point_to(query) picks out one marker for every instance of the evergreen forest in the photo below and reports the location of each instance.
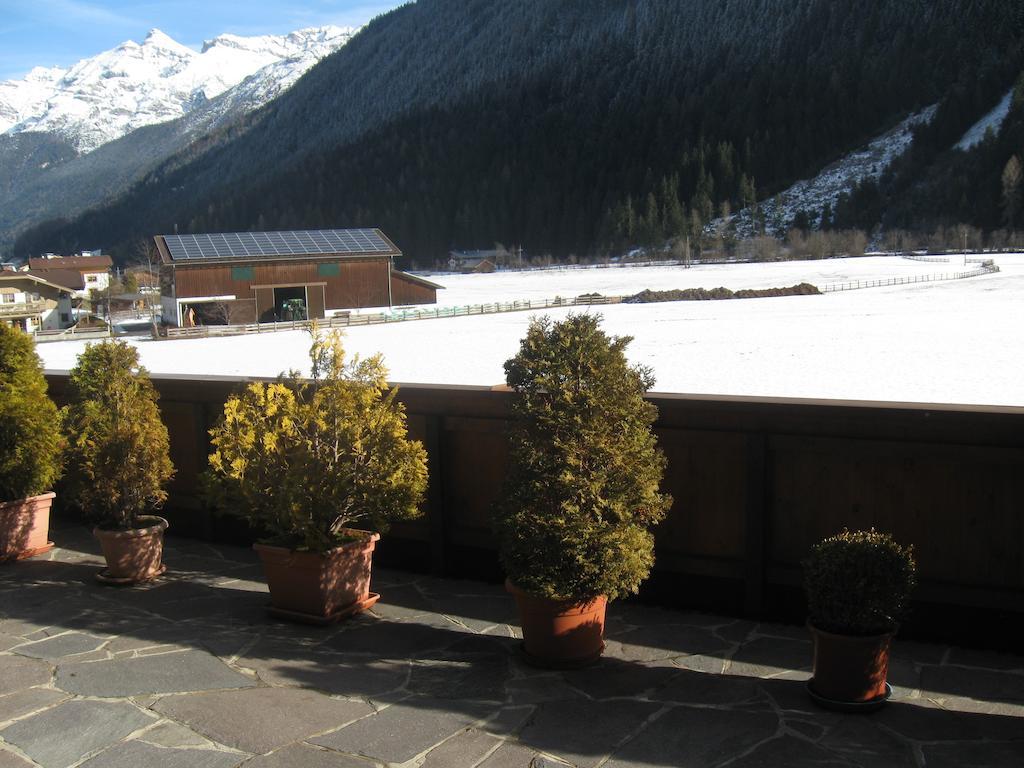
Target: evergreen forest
(584, 127)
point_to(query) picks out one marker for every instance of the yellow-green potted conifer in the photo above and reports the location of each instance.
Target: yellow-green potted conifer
(313, 463)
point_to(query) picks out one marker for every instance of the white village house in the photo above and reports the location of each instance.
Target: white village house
(34, 304)
(84, 273)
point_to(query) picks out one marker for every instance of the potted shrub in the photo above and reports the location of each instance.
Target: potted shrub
(308, 462)
(30, 448)
(118, 462)
(858, 584)
(582, 491)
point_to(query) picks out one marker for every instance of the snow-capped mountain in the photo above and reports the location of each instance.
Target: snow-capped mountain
(102, 98)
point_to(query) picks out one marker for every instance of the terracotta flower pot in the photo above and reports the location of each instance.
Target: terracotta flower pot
(849, 670)
(308, 586)
(24, 527)
(560, 634)
(135, 555)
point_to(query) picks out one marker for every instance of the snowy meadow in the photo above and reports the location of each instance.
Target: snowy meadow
(956, 342)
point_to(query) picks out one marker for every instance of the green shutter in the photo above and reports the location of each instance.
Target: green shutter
(328, 270)
(242, 273)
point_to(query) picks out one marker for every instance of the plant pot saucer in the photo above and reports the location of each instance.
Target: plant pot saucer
(104, 577)
(850, 706)
(322, 621)
(542, 662)
(27, 553)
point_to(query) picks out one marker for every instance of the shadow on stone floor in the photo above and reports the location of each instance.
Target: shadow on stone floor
(441, 667)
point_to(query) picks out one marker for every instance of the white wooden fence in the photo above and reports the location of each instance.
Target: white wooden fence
(396, 315)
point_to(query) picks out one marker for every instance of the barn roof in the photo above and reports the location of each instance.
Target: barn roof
(250, 246)
(409, 277)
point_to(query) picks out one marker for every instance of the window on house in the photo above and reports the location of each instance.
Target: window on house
(242, 273)
(8, 298)
(92, 278)
(328, 270)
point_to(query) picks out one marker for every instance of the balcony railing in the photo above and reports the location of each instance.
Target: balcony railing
(23, 308)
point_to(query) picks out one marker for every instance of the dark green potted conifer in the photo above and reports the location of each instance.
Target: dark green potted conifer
(582, 492)
(118, 459)
(858, 585)
(307, 462)
(30, 448)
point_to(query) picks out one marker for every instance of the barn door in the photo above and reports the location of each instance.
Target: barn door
(265, 305)
(315, 302)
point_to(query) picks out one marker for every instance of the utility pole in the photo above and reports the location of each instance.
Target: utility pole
(110, 320)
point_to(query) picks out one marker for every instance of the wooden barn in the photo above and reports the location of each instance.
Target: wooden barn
(242, 277)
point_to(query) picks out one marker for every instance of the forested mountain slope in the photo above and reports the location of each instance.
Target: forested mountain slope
(570, 126)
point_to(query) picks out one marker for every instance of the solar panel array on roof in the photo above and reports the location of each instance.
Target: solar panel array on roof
(258, 244)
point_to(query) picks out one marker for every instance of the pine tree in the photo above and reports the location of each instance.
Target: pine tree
(673, 213)
(1012, 175)
(748, 193)
(652, 228)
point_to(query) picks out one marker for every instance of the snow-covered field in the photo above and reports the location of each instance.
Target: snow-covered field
(626, 281)
(947, 342)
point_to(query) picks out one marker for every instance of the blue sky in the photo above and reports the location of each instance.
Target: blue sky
(60, 32)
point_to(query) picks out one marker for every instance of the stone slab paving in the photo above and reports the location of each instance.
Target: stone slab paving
(189, 671)
(260, 720)
(138, 753)
(10, 760)
(61, 736)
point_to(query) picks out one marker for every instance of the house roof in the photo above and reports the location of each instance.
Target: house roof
(246, 247)
(14, 277)
(75, 263)
(476, 256)
(123, 297)
(67, 278)
(470, 265)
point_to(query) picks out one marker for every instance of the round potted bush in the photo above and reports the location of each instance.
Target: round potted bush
(311, 463)
(118, 461)
(858, 584)
(30, 448)
(582, 491)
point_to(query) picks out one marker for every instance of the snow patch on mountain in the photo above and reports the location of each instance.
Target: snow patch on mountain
(812, 195)
(102, 98)
(993, 120)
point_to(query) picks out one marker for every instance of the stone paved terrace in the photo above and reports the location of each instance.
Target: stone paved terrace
(190, 672)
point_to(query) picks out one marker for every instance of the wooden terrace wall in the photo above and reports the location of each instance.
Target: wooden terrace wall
(755, 482)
